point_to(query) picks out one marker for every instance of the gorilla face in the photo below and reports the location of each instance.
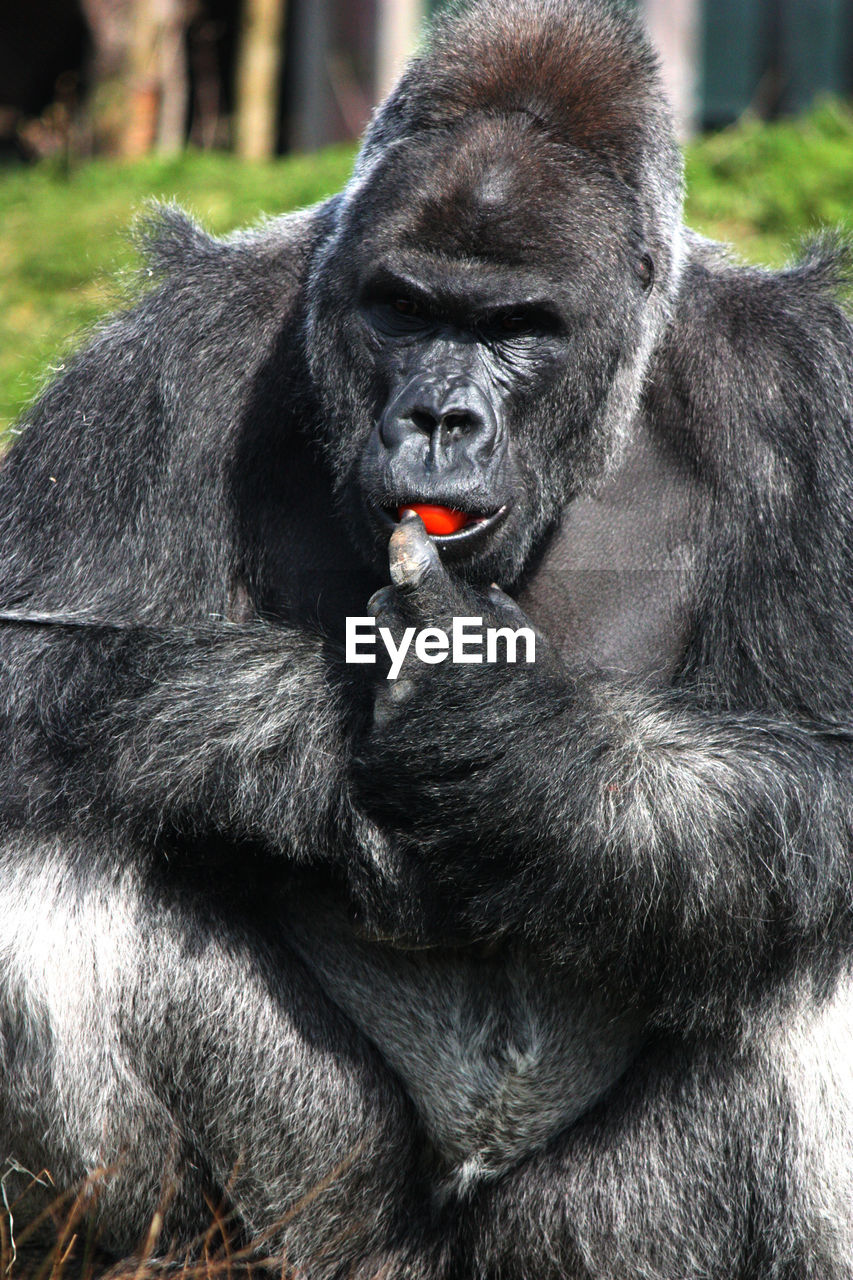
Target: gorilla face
(479, 328)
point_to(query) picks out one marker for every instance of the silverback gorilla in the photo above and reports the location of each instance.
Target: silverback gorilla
(492, 970)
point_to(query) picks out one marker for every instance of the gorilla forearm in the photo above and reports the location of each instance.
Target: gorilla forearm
(727, 839)
(225, 729)
(626, 818)
(241, 729)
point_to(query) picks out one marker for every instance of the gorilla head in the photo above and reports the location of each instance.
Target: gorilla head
(494, 280)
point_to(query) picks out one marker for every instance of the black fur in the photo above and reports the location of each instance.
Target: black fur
(490, 971)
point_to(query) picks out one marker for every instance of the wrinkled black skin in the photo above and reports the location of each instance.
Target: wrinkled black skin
(660, 807)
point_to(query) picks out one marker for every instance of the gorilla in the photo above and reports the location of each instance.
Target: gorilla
(494, 969)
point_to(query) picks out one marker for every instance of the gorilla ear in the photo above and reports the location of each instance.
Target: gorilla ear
(646, 272)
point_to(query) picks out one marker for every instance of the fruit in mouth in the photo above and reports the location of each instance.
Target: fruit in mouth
(438, 520)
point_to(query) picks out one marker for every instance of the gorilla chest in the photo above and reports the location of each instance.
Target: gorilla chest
(614, 584)
(497, 1054)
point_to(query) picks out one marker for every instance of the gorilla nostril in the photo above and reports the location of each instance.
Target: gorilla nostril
(460, 420)
(423, 420)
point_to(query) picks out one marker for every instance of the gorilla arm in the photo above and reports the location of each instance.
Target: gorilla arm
(673, 852)
(122, 501)
(230, 729)
(169, 1050)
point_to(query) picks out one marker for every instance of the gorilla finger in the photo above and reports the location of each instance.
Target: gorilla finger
(392, 610)
(509, 613)
(506, 609)
(390, 700)
(382, 602)
(412, 555)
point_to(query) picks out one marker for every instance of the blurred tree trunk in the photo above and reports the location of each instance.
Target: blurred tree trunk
(141, 78)
(144, 101)
(398, 24)
(258, 66)
(173, 75)
(158, 78)
(106, 112)
(675, 27)
(309, 122)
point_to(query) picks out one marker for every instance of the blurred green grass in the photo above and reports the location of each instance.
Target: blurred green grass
(763, 187)
(65, 248)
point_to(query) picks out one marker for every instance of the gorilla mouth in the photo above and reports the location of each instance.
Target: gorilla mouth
(438, 521)
(455, 533)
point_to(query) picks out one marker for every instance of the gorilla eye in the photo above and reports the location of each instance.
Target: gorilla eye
(405, 307)
(535, 321)
(646, 271)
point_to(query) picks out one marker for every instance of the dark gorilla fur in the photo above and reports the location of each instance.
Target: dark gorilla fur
(496, 971)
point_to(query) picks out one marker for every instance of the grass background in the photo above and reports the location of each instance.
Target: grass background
(65, 247)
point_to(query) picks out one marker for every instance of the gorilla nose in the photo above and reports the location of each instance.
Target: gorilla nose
(455, 419)
(446, 419)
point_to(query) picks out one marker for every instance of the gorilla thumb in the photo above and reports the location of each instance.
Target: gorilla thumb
(411, 553)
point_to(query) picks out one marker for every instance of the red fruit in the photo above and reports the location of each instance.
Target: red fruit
(438, 520)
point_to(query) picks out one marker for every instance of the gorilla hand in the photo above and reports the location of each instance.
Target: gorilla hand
(425, 597)
(443, 731)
